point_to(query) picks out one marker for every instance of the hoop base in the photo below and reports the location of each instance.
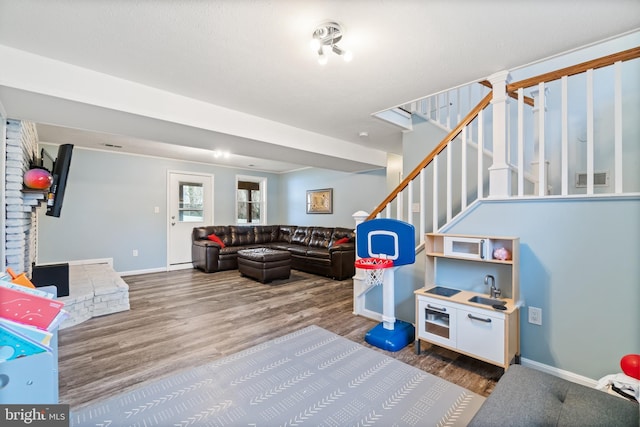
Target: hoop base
(402, 334)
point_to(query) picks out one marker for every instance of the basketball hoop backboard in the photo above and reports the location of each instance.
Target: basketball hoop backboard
(386, 238)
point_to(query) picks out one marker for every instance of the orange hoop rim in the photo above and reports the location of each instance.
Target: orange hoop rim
(374, 263)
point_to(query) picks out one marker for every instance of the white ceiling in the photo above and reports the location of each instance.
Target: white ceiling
(244, 68)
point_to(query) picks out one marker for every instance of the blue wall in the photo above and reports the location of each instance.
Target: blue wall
(110, 199)
(579, 264)
(352, 192)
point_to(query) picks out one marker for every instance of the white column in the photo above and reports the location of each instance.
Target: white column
(499, 172)
(358, 279)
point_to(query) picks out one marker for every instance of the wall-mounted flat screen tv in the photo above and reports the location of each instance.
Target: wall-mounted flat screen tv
(60, 172)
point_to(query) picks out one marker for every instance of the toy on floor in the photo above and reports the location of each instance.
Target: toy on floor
(383, 245)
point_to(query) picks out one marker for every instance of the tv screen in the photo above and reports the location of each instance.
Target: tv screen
(60, 172)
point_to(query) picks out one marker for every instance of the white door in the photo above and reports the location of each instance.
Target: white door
(190, 205)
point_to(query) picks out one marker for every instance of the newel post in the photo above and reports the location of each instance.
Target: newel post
(499, 171)
(358, 280)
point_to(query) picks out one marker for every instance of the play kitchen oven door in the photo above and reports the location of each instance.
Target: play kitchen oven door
(467, 247)
(437, 322)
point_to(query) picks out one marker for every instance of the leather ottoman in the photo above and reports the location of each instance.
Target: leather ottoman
(264, 264)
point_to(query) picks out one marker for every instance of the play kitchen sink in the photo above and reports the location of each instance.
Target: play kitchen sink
(486, 301)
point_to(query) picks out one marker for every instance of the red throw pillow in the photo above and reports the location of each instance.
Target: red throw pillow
(341, 241)
(215, 239)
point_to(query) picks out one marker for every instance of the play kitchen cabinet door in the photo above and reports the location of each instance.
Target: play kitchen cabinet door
(481, 334)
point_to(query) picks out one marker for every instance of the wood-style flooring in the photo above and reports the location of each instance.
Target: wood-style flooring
(187, 318)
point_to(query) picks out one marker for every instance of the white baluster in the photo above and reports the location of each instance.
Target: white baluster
(434, 197)
(617, 117)
(590, 142)
(463, 169)
(480, 153)
(564, 155)
(542, 181)
(409, 191)
(423, 207)
(449, 180)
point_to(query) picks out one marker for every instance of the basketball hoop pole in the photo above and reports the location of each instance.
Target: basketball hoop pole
(388, 299)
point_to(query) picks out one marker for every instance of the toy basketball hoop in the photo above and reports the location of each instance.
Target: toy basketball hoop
(374, 269)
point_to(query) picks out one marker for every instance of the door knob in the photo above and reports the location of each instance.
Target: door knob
(173, 223)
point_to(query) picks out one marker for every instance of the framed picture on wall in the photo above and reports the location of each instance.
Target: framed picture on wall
(320, 201)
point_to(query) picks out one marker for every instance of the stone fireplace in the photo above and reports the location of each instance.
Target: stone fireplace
(21, 225)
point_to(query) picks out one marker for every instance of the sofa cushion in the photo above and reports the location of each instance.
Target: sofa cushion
(527, 397)
(318, 253)
(286, 232)
(265, 233)
(340, 233)
(298, 250)
(301, 236)
(320, 237)
(222, 231)
(242, 235)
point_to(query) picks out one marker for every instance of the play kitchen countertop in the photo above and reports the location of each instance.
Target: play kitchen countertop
(463, 297)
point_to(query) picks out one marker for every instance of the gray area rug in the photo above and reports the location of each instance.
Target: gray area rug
(309, 377)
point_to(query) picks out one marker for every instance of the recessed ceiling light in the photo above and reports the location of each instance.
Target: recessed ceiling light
(363, 134)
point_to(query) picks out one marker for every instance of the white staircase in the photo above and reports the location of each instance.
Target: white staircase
(579, 120)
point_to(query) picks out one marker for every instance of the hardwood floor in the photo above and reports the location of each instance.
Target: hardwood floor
(187, 318)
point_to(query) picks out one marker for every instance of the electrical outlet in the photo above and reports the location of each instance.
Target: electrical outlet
(135, 252)
(535, 315)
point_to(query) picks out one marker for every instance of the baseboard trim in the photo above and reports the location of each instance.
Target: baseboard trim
(369, 314)
(183, 266)
(81, 262)
(560, 373)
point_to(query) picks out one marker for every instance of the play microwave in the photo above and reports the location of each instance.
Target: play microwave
(467, 247)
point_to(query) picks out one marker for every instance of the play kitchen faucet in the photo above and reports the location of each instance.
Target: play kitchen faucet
(495, 292)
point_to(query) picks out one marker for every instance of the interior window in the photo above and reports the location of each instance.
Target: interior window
(191, 203)
(250, 198)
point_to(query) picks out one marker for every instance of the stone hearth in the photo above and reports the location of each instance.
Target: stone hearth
(94, 290)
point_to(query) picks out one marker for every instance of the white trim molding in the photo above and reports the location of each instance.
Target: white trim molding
(560, 373)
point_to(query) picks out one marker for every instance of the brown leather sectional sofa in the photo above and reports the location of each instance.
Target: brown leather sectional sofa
(313, 249)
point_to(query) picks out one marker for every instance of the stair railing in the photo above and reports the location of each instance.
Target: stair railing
(459, 140)
(436, 109)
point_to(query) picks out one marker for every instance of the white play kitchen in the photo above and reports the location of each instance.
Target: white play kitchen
(470, 302)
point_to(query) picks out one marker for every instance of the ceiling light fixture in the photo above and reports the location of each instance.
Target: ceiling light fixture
(219, 153)
(325, 39)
